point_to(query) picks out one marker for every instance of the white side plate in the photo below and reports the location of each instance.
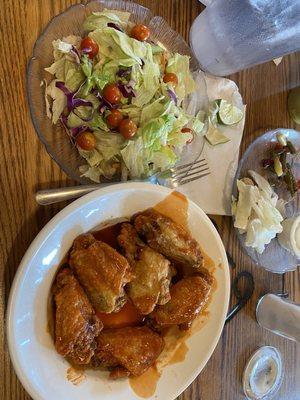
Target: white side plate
(40, 369)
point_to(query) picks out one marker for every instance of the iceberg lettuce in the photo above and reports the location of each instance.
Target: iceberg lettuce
(136, 158)
(99, 20)
(117, 45)
(180, 65)
(65, 68)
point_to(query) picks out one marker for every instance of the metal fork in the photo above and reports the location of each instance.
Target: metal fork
(172, 178)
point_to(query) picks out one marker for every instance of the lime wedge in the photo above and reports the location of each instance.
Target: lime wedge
(294, 104)
(228, 114)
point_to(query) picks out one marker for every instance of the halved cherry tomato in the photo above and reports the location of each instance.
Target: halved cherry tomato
(171, 78)
(86, 140)
(89, 47)
(112, 93)
(127, 128)
(140, 32)
(188, 130)
(114, 119)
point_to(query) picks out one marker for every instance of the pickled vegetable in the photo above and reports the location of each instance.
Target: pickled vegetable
(281, 139)
(291, 147)
(278, 166)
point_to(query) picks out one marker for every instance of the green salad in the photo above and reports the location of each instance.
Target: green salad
(120, 98)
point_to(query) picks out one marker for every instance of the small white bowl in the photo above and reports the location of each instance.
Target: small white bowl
(39, 367)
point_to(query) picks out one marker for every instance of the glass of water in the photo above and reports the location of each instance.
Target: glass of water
(231, 35)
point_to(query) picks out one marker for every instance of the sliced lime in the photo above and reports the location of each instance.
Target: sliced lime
(228, 114)
(294, 104)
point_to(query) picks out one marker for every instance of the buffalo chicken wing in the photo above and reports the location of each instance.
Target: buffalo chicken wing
(152, 271)
(134, 349)
(188, 297)
(76, 324)
(168, 238)
(101, 271)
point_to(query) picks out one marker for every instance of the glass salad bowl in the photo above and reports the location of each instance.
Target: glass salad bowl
(275, 258)
(54, 137)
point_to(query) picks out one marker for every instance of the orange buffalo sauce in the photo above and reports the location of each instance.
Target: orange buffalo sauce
(127, 316)
(175, 206)
(145, 385)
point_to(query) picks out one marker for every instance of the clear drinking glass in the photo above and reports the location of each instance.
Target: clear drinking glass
(231, 35)
(279, 315)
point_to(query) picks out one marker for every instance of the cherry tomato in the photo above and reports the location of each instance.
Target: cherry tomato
(112, 93)
(86, 140)
(89, 46)
(171, 78)
(114, 119)
(140, 32)
(127, 128)
(188, 130)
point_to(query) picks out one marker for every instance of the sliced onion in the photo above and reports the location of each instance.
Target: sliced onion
(97, 94)
(123, 72)
(75, 54)
(126, 90)
(87, 119)
(172, 96)
(102, 107)
(131, 83)
(64, 120)
(75, 131)
(82, 102)
(115, 26)
(71, 101)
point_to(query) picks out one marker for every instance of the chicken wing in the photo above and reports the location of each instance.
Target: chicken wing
(76, 324)
(135, 348)
(165, 236)
(188, 297)
(152, 271)
(102, 272)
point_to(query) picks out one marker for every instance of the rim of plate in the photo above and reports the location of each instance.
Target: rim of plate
(48, 229)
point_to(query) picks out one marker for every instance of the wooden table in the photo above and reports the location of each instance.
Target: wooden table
(26, 167)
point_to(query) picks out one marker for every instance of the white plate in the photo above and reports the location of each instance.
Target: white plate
(40, 369)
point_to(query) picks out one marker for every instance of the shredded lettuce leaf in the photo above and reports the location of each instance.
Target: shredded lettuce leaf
(155, 132)
(99, 20)
(59, 100)
(64, 67)
(117, 45)
(156, 109)
(136, 158)
(147, 81)
(179, 65)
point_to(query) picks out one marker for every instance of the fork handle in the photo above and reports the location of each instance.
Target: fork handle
(51, 196)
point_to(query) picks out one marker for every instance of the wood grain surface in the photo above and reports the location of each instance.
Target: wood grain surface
(26, 167)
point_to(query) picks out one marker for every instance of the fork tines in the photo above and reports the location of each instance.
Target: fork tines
(191, 171)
